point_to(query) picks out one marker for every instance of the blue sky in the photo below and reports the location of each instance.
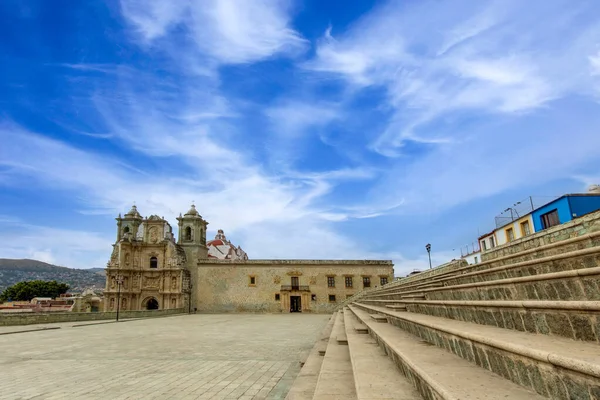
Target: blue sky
(310, 129)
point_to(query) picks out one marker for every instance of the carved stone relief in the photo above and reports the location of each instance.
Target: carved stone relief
(313, 280)
(277, 280)
(153, 233)
(151, 283)
(294, 273)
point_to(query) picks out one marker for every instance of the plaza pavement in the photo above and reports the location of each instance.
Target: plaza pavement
(202, 356)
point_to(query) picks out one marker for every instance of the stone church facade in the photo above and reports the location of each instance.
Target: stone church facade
(150, 269)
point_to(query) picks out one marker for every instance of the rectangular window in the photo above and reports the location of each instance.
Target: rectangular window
(510, 235)
(277, 297)
(348, 281)
(252, 281)
(295, 283)
(525, 229)
(550, 219)
(332, 298)
(313, 297)
(483, 245)
(492, 243)
(331, 281)
(476, 260)
(366, 281)
(383, 280)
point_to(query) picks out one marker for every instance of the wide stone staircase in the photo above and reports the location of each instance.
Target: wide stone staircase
(523, 324)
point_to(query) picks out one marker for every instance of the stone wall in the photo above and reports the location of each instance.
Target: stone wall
(225, 286)
(44, 318)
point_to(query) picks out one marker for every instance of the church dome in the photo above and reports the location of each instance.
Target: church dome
(223, 249)
(133, 212)
(192, 211)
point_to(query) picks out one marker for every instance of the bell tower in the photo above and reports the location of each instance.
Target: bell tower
(129, 225)
(192, 234)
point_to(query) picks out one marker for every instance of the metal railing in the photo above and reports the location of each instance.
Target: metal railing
(521, 208)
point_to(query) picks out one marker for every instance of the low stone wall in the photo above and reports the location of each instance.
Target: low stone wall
(575, 320)
(45, 318)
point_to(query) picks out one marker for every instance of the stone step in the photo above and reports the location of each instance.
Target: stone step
(375, 375)
(574, 285)
(568, 261)
(564, 248)
(413, 296)
(397, 307)
(343, 340)
(305, 383)
(379, 318)
(581, 259)
(361, 329)
(336, 380)
(438, 374)
(570, 319)
(542, 363)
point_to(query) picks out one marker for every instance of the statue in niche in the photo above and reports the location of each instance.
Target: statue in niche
(126, 258)
(136, 280)
(112, 303)
(173, 303)
(115, 255)
(173, 283)
(124, 304)
(113, 282)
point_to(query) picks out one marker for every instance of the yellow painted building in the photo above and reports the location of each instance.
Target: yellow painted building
(514, 230)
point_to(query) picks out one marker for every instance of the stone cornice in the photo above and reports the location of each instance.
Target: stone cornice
(315, 263)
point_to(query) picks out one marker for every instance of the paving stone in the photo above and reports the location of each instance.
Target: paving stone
(228, 356)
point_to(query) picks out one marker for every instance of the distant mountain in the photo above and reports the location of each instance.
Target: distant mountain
(99, 271)
(14, 271)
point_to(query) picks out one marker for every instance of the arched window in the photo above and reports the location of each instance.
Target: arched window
(153, 262)
(126, 229)
(188, 233)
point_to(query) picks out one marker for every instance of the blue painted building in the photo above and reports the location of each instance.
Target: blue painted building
(564, 209)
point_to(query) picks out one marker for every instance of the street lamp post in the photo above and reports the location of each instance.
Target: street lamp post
(428, 248)
(190, 299)
(119, 280)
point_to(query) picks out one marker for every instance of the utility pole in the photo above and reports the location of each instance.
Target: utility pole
(119, 280)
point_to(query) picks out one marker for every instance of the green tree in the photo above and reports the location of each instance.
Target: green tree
(29, 289)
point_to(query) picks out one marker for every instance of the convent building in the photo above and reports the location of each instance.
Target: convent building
(150, 269)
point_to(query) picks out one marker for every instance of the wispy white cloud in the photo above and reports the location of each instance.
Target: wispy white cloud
(491, 58)
(242, 204)
(66, 247)
(595, 64)
(294, 118)
(228, 31)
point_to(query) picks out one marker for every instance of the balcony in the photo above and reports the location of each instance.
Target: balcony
(295, 288)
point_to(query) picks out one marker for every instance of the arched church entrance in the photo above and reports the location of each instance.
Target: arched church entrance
(150, 303)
